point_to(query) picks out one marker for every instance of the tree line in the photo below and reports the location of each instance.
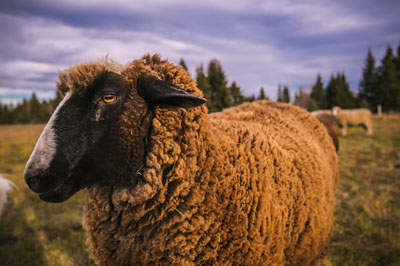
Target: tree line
(380, 85)
(29, 111)
(214, 85)
(336, 93)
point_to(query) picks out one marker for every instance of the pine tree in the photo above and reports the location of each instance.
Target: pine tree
(46, 111)
(331, 93)
(236, 94)
(6, 114)
(318, 94)
(397, 93)
(301, 98)
(388, 82)
(250, 99)
(285, 95)
(203, 85)
(262, 96)
(183, 64)
(22, 112)
(280, 94)
(311, 105)
(348, 99)
(338, 92)
(304, 100)
(220, 94)
(35, 110)
(368, 85)
(397, 61)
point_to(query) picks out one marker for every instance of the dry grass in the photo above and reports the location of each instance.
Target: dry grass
(367, 221)
(33, 232)
(367, 218)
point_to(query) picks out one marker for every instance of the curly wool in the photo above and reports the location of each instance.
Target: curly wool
(252, 185)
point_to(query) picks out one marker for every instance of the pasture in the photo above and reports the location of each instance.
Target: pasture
(367, 217)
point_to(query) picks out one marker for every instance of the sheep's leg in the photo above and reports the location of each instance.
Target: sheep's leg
(344, 130)
(369, 130)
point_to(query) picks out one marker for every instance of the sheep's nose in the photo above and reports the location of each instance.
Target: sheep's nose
(32, 181)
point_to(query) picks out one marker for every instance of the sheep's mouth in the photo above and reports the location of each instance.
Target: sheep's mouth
(61, 193)
(54, 185)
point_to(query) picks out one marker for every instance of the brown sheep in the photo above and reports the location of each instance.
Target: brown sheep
(169, 184)
(353, 117)
(330, 123)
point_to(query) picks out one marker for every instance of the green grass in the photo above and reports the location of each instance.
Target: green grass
(367, 216)
(33, 232)
(367, 220)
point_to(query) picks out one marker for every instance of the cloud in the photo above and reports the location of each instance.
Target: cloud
(259, 43)
(317, 17)
(48, 46)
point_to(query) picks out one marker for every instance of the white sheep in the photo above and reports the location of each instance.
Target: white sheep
(353, 117)
(5, 186)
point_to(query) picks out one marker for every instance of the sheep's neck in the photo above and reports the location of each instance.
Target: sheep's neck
(169, 193)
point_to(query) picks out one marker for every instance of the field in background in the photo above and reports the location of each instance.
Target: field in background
(33, 232)
(367, 221)
(367, 217)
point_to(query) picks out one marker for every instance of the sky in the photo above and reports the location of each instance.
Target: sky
(258, 43)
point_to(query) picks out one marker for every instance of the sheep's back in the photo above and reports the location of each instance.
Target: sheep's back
(288, 126)
(355, 116)
(293, 179)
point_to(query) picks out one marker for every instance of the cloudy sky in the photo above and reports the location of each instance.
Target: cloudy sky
(258, 42)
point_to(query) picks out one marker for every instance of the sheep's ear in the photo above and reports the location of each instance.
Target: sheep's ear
(156, 91)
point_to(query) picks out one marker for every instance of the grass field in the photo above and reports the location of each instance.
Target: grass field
(367, 221)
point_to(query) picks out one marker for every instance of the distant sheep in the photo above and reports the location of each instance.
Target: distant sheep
(321, 112)
(5, 186)
(353, 117)
(169, 184)
(329, 122)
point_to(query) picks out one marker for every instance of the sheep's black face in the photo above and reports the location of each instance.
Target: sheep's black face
(77, 147)
(73, 149)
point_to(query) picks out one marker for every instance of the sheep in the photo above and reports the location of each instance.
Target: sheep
(5, 186)
(353, 117)
(329, 122)
(168, 184)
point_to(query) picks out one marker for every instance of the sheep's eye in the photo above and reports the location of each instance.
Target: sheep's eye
(109, 98)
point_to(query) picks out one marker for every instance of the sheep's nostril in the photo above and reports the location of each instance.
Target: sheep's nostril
(39, 181)
(36, 180)
(32, 181)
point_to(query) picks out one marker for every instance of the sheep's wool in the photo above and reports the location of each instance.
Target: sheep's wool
(252, 185)
(5, 186)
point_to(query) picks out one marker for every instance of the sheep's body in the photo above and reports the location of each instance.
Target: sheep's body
(258, 197)
(353, 117)
(171, 185)
(329, 122)
(5, 186)
(253, 185)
